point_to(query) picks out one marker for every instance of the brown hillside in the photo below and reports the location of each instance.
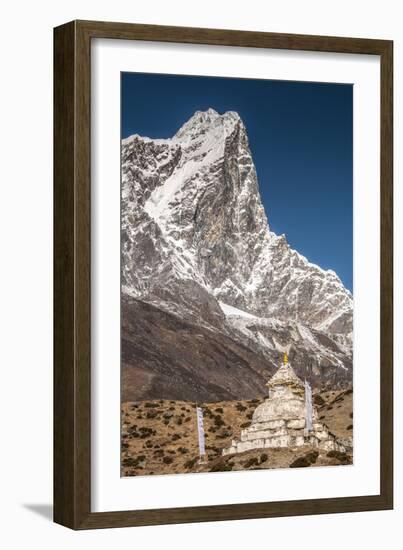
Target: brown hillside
(160, 437)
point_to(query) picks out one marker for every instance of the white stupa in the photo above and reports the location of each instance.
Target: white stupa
(286, 418)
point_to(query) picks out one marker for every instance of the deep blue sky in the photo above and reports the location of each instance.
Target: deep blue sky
(300, 135)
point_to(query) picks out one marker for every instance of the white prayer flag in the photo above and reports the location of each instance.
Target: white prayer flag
(200, 429)
(308, 405)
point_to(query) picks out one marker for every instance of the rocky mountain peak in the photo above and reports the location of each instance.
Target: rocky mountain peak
(203, 122)
(196, 241)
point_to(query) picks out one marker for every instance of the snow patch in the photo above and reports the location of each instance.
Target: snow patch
(231, 311)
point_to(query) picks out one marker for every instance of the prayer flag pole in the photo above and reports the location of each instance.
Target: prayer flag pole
(200, 430)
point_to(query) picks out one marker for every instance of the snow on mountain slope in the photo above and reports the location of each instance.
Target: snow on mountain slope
(195, 234)
(233, 311)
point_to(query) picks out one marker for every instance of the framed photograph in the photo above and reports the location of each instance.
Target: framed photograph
(222, 275)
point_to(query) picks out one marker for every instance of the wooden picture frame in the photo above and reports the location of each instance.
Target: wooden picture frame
(72, 270)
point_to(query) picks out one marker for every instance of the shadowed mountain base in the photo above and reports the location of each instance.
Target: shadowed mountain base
(165, 356)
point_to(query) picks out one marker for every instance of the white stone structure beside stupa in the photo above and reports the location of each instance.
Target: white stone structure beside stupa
(281, 420)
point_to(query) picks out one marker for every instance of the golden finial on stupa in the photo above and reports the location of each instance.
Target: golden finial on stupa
(285, 358)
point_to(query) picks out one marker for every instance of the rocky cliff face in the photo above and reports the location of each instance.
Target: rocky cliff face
(196, 244)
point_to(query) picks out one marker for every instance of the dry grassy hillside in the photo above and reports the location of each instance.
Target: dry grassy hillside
(160, 436)
(335, 408)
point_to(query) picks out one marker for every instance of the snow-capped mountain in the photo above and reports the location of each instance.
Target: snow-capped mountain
(196, 243)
